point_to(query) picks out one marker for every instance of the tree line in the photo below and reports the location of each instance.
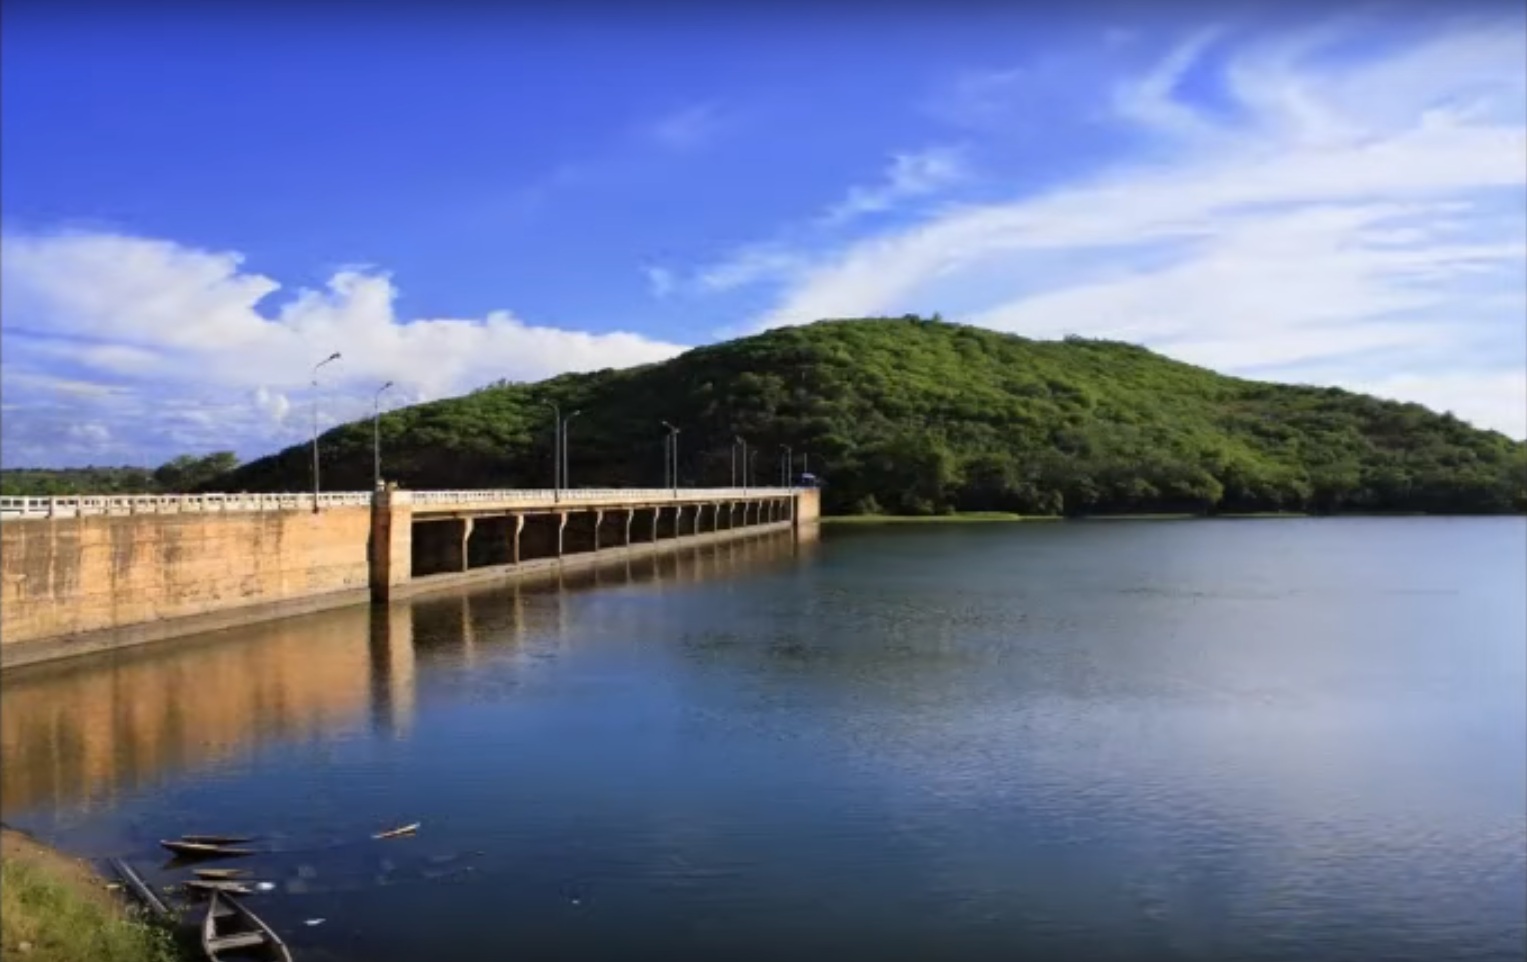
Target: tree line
(916, 416)
(181, 475)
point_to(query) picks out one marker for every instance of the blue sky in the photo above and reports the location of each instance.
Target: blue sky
(196, 207)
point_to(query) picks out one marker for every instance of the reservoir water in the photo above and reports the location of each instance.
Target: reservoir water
(1209, 740)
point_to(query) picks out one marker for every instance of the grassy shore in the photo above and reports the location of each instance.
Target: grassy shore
(56, 909)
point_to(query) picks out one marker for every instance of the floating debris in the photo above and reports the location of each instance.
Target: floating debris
(398, 832)
(316, 921)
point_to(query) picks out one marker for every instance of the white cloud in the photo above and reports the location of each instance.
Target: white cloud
(750, 265)
(1361, 210)
(909, 175)
(168, 328)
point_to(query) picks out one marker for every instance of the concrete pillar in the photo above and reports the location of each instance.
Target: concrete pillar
(391, 548)
(807, 508)
(466, 534)
(561, 527)
(598, 522)
(517, 528)
(630, 517)
(657, 521)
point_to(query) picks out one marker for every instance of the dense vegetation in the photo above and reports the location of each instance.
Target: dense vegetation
(915, 417)
(183, 474)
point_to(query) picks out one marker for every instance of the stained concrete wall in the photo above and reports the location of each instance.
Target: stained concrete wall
(77, 584)
(72, 576)
(808, 506)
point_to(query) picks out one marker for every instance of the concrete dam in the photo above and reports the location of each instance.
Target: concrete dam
(91, 573)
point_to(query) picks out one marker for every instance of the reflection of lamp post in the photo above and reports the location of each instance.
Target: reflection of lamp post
(564, 447)
(744, 445)
(331, 357)
(673, 456)
(376, 435)
(786, 465)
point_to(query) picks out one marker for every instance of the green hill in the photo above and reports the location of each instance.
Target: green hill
(916, 416)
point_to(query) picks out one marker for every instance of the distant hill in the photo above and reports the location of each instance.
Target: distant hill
(185, 473)
(916, 416)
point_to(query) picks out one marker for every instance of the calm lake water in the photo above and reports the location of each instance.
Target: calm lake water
(1216, 740)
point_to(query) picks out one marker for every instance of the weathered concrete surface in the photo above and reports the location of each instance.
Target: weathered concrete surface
(71, 577)
(808, 507)
(72, 585)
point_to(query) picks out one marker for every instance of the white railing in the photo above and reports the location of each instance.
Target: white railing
(73, 507)
(174, 504)
(593, 494)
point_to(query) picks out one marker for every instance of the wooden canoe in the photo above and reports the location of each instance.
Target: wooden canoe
(220, 873)
(229, 886)
(398, 832)
(203, 849)
(218, 839)
(231, 930)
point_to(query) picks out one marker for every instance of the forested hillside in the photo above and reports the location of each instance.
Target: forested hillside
(916, 416)
(185, 473)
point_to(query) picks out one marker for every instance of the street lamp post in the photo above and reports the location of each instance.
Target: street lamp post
(786, 465)
(565, 422)
(376, 436)
(744, 445)
(331, 357)
(556, 449)
(673, 455)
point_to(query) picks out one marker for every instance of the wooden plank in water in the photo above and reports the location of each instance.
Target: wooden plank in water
(140, 888)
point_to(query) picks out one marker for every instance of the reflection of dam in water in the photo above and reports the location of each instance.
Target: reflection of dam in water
(79, 733)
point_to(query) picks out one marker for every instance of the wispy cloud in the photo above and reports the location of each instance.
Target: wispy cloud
(660, 280)
(1312, 205)
(908, 175)
(686, 128)
(161, 330)
(751, 264)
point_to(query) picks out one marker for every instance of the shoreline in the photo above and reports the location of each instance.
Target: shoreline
(59, 908)
(987, 517)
